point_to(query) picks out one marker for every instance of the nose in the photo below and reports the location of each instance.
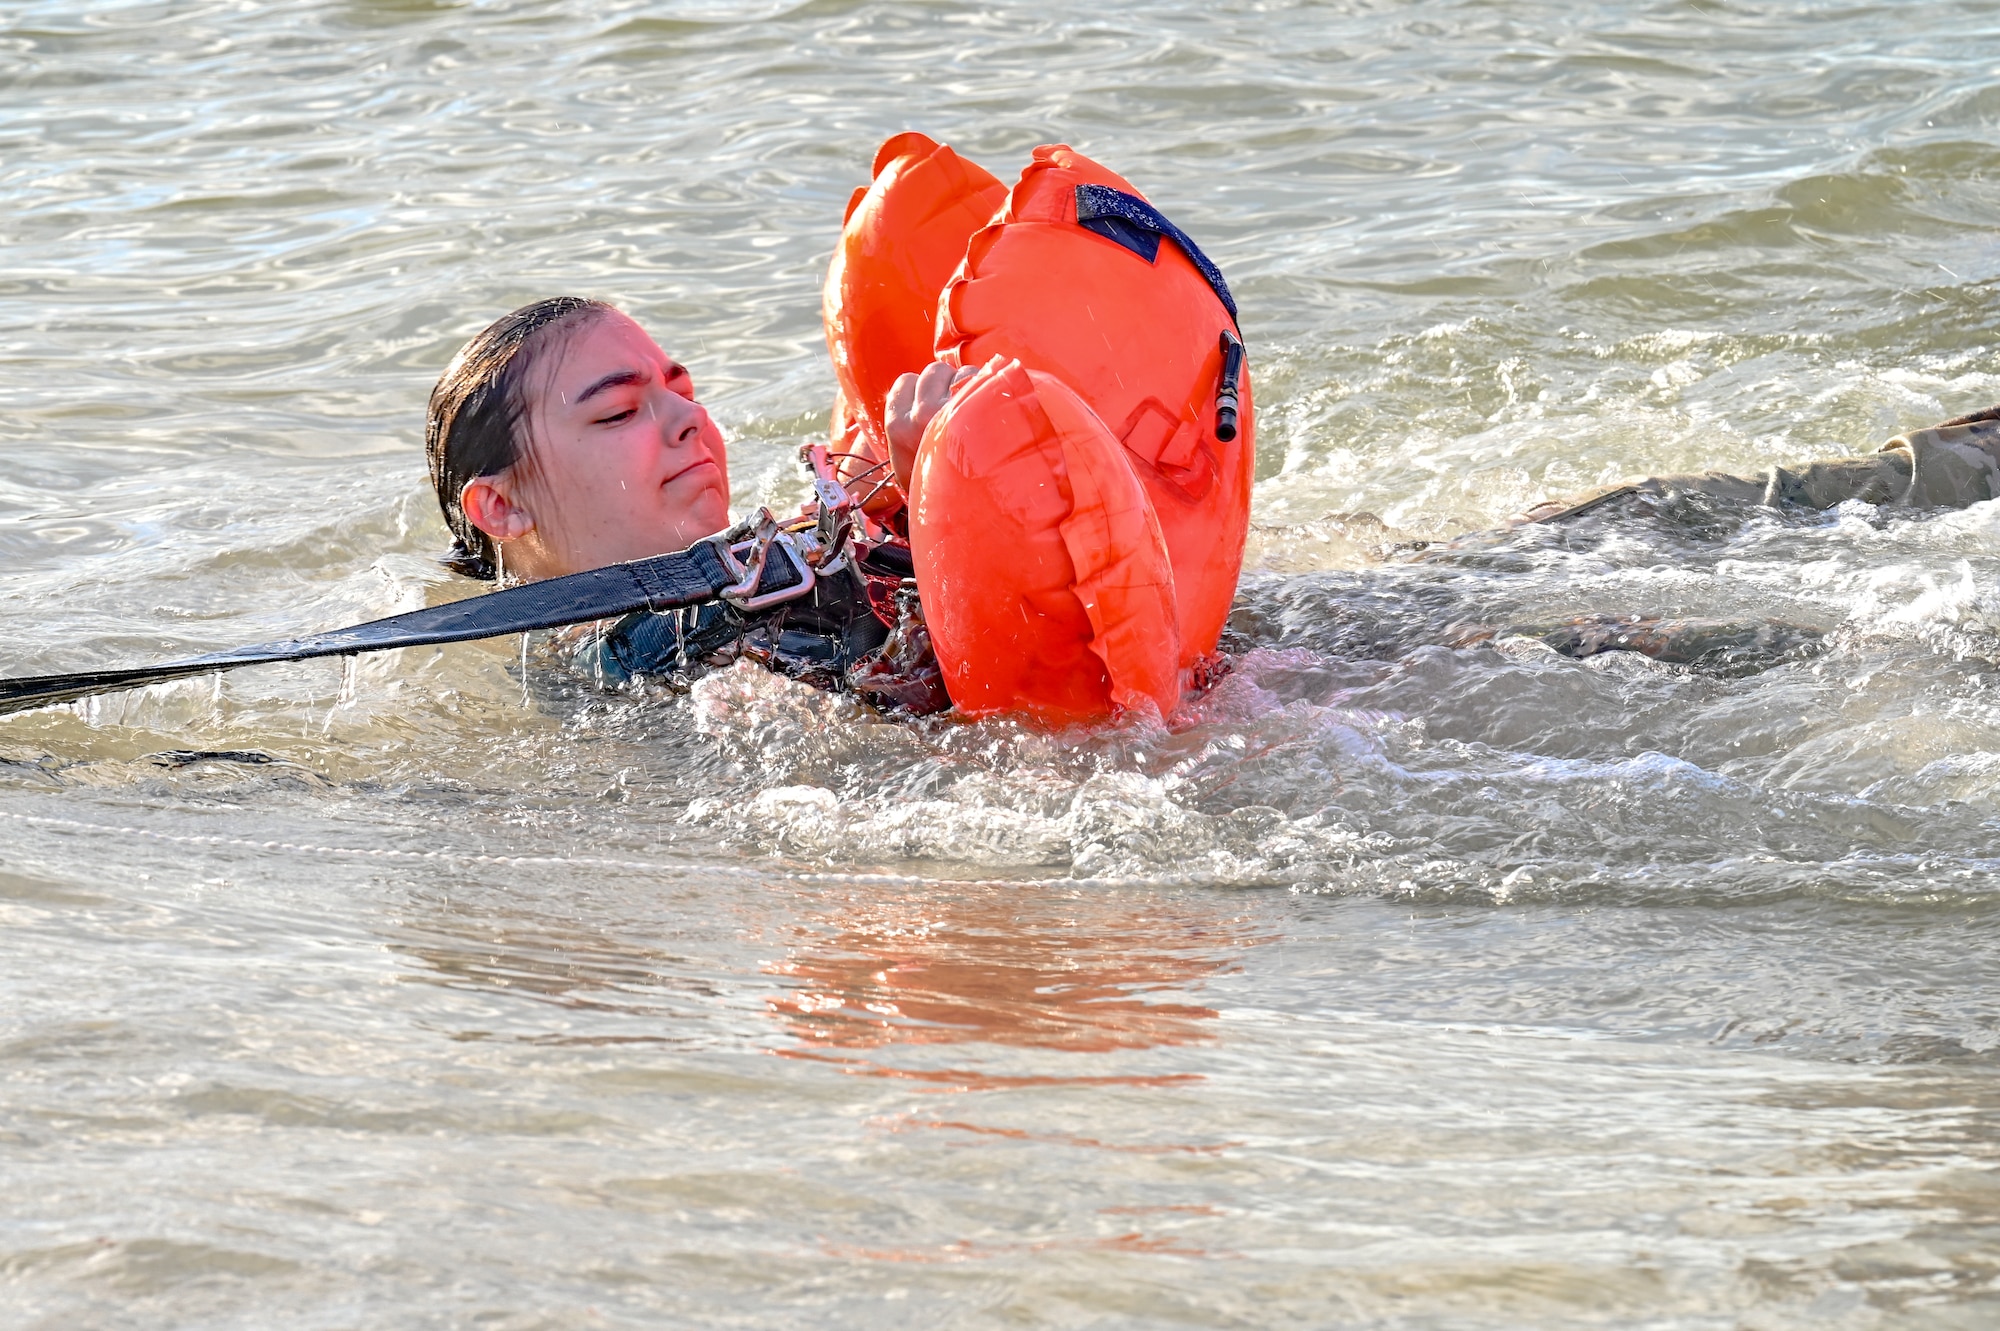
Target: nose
(680, 418)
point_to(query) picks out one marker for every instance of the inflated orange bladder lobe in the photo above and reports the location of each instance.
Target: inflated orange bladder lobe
(1139, 340)
(1078, 526)
(903, 237)
(1047, 585)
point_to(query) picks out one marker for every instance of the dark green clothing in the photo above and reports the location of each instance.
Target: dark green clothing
(1945, 466)
(1952, 465)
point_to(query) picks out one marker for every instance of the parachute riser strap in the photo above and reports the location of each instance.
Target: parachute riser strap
(695, 576)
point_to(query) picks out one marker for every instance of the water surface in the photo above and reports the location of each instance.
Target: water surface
(1403, 986)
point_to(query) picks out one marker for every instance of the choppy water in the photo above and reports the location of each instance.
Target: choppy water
(1407, 987)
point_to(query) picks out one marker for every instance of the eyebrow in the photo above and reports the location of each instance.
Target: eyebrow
(618, 379)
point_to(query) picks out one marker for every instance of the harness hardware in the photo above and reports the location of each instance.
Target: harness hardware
(834, 522)
(765, 537)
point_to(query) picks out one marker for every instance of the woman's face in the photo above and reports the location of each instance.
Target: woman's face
(620, 461)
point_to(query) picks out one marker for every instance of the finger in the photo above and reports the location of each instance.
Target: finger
(902, 397)
(934, 384)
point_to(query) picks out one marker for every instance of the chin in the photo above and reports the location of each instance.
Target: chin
(710, 512)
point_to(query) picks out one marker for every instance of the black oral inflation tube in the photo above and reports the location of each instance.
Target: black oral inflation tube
(1227, 387)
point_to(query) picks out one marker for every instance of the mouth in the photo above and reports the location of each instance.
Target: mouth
(696, 465)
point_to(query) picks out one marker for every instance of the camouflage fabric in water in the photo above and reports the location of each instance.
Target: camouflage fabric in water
(1951, 465)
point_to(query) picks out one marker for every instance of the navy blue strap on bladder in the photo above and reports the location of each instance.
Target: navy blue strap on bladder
(687, 577)
(1138, 226)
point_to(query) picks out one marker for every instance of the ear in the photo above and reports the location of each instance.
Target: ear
(490, 507)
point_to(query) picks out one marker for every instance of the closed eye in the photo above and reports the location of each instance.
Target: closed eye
(617, 417)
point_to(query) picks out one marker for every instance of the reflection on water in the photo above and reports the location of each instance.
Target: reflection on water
(969, 968)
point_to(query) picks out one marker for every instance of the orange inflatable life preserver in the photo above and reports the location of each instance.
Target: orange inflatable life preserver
(1078, 512)
(900, 242)
(1046, 582)
(1132, 321)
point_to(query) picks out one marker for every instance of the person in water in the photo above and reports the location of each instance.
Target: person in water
(562, 438)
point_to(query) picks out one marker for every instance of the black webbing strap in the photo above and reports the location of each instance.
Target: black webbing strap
(665, 582)
(1138, 226)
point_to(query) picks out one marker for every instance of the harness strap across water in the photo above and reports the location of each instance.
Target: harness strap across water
(687, 577)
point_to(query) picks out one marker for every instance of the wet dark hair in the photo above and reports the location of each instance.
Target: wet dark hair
(474, 423)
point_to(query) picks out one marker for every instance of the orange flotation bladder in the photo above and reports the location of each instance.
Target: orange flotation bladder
(1071, 278)
(1078, 515)
(1046, 582)
(903, 237)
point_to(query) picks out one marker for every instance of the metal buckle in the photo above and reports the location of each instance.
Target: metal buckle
(743, 592)
(836, 506)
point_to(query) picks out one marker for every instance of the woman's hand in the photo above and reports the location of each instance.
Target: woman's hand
(913, 400)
